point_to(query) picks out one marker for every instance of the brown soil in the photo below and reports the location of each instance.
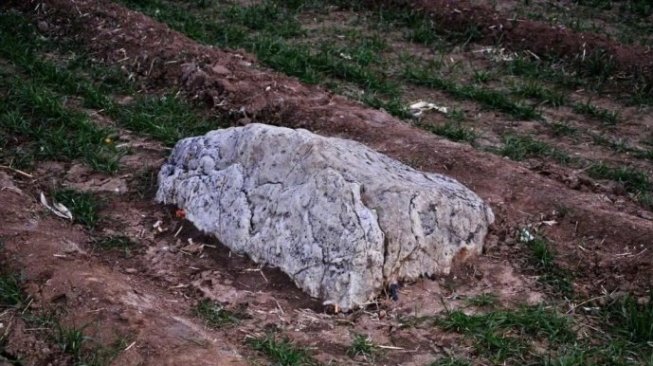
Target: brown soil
(147, 297)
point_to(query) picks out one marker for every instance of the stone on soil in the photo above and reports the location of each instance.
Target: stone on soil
(342, 220)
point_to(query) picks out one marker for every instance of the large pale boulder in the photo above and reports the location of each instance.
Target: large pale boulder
(340, 219)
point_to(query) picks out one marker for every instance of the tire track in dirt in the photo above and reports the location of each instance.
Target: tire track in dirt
(232, 84)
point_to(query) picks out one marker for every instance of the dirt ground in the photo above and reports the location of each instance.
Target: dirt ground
(145, 299)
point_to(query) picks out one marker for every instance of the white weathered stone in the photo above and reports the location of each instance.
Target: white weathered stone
(340, 219)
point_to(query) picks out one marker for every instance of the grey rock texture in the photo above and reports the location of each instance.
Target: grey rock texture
(340, 219)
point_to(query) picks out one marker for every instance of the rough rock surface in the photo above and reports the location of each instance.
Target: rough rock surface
(340, 219)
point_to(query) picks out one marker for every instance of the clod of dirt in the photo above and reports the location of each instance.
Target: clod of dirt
(340, 219)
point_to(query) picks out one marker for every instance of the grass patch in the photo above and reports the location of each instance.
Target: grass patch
(265, 29)
(503, 334)
(451, 130)
(268, 16)
(631, 320)
(606, 116)
(84, 206)
(543, 258)
(634, 181)
(361, 346)
(623, 336)
(215, 315)
(165, 118)
(116, 243)
(392, 105)
(39, 120)
(42, 128)
(525, 147)
(83, 350)
(419, 27)
(68, 133)
(486, 97)
(144, 183)
(538, 92)
(482, 76)
(11, 293)
(70, 340)
(483, 300)
(622, 146)
(450, 361)
(281, 351)
(563, 129)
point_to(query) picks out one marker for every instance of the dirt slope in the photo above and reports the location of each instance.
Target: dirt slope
(232, 84)
(49, 254)
(147, 298)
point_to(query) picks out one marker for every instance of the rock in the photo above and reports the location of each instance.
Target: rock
(340, 219)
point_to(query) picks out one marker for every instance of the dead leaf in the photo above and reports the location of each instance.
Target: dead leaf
(57, 208)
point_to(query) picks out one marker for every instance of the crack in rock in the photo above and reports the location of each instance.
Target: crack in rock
(333, 214)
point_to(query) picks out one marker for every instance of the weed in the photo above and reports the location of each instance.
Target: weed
(536, 321)
(622, 146)
(270, 23)
(281, 351)
(144, 183)
(451, 130)
(450, 361)
(563, 129)
(633, 180)
(486, 97)
(541, 70)
(361, 346)
(11, 293)
(84, 206)
(631, 320)
(70, 340)
(641, 8)
(500, 334)
(482, 76)
(604, 115)
(562, 210)
(393, 105)
(116, 242)
(268, 16)
(524, 147)
(483, 300)
(598, 64)
(36, 116)
(536, 91)
(577, 356)
(215, 315)
(52, 131)
(456, 115)
(167, 118)
(543, 257)
(423, 29)
(104, 355)
(542, 253)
